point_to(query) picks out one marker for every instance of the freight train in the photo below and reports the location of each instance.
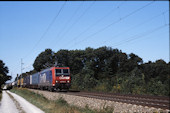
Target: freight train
(53, 78)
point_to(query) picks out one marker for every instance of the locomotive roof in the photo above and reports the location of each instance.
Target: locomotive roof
(51, 68)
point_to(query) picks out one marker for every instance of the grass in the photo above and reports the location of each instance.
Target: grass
(57, 106)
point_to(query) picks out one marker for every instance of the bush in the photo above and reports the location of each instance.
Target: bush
(156, 88)
(61, 101)
(103, 85)
(83, 81)
(89, 81)
(107, 109)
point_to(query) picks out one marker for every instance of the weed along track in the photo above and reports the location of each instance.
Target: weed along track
(96, 100)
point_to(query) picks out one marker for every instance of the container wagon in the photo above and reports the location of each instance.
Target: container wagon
(34, 80)
(22, 82)
(18, 83)
(27, 81)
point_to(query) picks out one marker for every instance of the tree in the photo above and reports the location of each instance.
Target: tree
(62, 57)
(132, 62)
(3, 73)
(44, 60)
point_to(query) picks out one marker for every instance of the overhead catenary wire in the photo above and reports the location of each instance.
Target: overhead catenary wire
(134, 27)
(49, 26)
(78, 19)
(109, 25)
(69, 20)
(164, 17)
(141, 35)
(99, 20)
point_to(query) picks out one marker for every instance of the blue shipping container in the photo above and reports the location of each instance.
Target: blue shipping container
(28, 80)
(25, 79)
(46, 77)
(35, 79)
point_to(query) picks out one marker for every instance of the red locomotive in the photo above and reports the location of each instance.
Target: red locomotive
(55, 78)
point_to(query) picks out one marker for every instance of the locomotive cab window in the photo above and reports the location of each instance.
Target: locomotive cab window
(65, 71)
(62, 72)
(58, 71)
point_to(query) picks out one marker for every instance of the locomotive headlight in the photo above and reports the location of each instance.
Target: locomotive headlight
(68, 81)
(56, 81)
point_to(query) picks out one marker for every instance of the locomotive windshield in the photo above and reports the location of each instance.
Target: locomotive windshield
(65, 71)
(62, 72)
(58, 71)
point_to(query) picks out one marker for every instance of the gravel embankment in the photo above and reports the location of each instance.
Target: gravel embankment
(98, 103)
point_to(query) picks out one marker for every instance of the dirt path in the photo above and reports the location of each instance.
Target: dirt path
(7, 104)
(13, 103)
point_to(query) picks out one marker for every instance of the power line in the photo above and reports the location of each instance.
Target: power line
(69, 20)
(99, 31)
(99, 20)
(49, 26)
(75, 14)
(164, 17)
(77, 20)
(141, 35)
(140, 24)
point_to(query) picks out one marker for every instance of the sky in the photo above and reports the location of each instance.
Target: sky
(27, 28)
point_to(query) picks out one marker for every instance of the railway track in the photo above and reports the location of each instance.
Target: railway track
(143, 100)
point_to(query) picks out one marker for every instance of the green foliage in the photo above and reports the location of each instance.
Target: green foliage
(61, 101)
(107, 109)
(110, 70)
(89, 81)
(3, 73)
(103, 86)
(83, 81)
(88, 110)
(156, 88)
(44, 60)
